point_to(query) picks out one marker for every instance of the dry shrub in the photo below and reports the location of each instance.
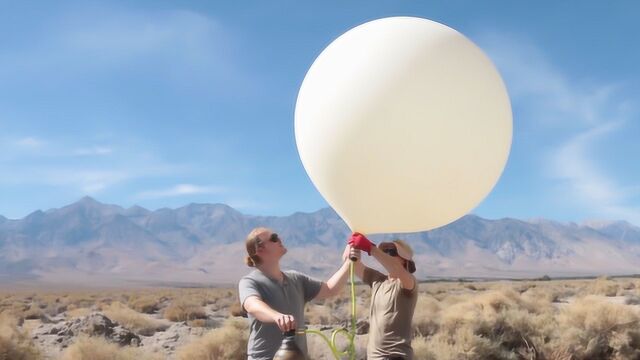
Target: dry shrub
(133, 320)
(54, 309)
(33, 313)
(98, 348)
(80, 301)
(629, 285)
(497, 324)
(603, 286)
(77, 312)
(438, 288)
(221, 299)
(545, 294)
(336, 302)
(337, 309)
(471, 287)
(197, 323)
(426, 316)
(237, 310)
(14, 343)
(421, 350)
(318, 315)
(183, 310)
(632, 300)
(593, 328)
(228, 342)
(465, 344)
(145, 304)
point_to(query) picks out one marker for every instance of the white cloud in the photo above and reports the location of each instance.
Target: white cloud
(580, 114)
(87, 180)
(184, 47)
(555, 98)
(16, 146)
(29, 142)
(86, 170)
(180, 190)
(93, 151)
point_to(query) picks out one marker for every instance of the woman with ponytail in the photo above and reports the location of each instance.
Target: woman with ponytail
(275, 299)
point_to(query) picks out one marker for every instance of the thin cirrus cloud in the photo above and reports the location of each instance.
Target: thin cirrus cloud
(79, 168)
(84, 50)
(29, 142)
(183, 47)
(180, 190)
(592, 185)
(577, 117)
(93, 151)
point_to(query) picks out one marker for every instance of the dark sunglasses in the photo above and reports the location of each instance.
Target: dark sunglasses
(390, 251)
(274, 238)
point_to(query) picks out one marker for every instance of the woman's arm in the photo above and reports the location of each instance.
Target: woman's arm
(394, 268)
(263, 312)
(336, 283)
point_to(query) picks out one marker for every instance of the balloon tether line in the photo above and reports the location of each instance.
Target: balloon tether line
(350, 335)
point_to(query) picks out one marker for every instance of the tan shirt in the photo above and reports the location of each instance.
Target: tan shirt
(390, 317)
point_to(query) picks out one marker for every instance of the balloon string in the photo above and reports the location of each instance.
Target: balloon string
(352, 344)
(350, 335)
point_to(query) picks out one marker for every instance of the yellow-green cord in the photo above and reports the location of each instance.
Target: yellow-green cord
(351, 335)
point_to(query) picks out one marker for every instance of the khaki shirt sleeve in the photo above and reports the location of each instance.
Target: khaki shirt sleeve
(410, 292)
(370, 276)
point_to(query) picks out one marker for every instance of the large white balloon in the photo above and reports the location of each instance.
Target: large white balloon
(403, 124)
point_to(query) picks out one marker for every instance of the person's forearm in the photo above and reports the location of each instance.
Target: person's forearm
(261, 311)
(339, 279)
(393, 267)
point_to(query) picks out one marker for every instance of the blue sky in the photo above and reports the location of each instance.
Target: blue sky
(164, 103)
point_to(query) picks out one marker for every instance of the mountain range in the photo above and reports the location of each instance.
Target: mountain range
(91, 243)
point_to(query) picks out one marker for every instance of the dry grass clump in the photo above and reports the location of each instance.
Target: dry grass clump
(97, 348)
(628, 285)
(338, 309)
(603, 286)
(145, 304)
(319, 315)
(15, 344)
(421, 350)
(228, 342)
(436, 289)
(235, 309)
(80, 300)
(547, 294)
(133, 320)
(593, 328)
(522, 322)
(76, 313)
(183, 310)
(426, 317)
(34, 312)
(334, 310)
(497, 324)
(197, 323)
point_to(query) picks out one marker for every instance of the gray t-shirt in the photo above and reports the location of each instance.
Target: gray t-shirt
(287, 298)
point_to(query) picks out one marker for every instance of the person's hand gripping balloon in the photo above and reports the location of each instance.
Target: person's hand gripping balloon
(360, 242)
(350, 253)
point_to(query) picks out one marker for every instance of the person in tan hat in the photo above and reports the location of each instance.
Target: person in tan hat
(393, 297)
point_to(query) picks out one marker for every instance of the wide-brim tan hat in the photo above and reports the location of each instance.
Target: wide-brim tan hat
(404, 250)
